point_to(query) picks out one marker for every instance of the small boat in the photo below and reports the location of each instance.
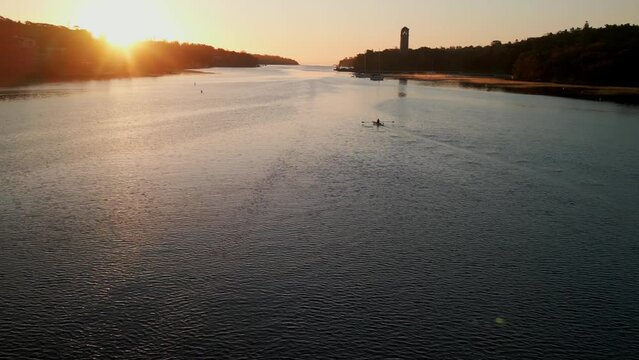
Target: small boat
(364, 74)
(378, 123)
(377, 77)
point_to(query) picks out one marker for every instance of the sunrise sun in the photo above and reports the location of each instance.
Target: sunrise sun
(123, 23)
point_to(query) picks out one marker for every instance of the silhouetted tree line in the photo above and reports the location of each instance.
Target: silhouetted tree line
(274, 60)
(41, 52)
(603, 56)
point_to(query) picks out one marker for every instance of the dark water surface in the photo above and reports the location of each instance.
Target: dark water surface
(143, 219)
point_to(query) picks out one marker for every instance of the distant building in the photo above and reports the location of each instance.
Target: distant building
(403, 47)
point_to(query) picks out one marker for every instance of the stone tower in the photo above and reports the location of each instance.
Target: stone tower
(403, 45)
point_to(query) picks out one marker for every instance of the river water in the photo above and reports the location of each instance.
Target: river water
(254, 213)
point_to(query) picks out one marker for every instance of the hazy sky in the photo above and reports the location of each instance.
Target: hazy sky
(323, 31)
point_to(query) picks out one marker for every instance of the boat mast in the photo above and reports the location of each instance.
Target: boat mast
(365, 56)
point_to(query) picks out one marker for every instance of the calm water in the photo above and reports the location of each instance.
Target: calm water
(143, 219)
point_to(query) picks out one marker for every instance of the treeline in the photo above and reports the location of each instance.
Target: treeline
(274, 60)
(157, 57)
(32, 52)
(602, 56)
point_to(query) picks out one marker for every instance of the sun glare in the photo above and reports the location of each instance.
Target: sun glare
(123, 23)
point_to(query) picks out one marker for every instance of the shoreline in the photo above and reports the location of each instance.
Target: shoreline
(618, 94)
(82, 78)
(112, 76)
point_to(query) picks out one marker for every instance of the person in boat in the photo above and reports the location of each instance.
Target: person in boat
(377, 123)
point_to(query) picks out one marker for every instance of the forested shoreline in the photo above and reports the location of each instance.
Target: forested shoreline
(34, 52)
(597, 56)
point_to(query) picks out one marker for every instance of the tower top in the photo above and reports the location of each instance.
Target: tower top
(403, 43)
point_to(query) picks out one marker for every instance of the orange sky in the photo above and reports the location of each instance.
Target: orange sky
(321, 32)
